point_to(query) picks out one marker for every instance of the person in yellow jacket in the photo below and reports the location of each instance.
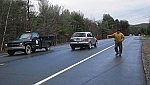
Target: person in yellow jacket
(119, 38)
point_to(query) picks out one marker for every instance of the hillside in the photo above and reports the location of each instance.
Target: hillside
(142, 25)
(139, 28)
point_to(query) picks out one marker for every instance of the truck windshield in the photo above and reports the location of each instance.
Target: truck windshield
(25, 36)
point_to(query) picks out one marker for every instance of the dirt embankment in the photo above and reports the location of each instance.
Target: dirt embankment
(146, 57)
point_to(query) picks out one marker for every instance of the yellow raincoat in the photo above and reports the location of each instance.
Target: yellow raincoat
(119, 37)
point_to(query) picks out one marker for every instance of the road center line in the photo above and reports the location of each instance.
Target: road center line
(72, 66)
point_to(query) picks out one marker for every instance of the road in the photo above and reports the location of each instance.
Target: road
(62, 66)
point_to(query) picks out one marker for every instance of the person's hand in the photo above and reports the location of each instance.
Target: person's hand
(109, 36)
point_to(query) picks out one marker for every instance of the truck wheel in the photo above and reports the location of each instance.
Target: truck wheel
(28, 49)
(90, 46)
(33, 50)
(46, 48)
(95, 45)
(73, 48)
(11, 52)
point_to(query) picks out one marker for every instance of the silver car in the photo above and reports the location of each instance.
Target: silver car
(83, 39)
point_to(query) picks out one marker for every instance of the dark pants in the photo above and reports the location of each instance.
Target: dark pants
(118, 45)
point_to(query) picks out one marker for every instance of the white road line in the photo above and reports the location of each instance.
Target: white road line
(72, 66)
(2, 64)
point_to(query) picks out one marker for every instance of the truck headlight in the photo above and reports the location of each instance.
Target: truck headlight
(6, 45)
(21, 44)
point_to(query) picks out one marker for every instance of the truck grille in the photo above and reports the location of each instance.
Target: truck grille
(13, 45)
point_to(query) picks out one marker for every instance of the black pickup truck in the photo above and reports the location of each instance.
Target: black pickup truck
(29, 42)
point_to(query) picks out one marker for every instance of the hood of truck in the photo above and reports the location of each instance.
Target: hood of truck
(20, 40)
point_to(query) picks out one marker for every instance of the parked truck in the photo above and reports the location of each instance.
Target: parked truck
(29, 42)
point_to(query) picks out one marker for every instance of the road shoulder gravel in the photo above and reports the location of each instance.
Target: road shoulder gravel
(146, 57)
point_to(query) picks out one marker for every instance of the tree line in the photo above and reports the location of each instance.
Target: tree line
(52, 19)
(143, 28)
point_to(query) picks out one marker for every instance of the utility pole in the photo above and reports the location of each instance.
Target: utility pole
(5, 29)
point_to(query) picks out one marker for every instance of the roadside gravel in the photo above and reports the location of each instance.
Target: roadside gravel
(146, 57)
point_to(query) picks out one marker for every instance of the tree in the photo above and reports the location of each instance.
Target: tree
(108, 21)
(47, 19)
(91, 26)
(148, 29)
(5, 27)
(77, 21)
(107, 25)
(13, 18)
(65, 22)
(124, 26)
(116, 24)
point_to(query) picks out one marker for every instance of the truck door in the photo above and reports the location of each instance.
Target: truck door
(36, 40)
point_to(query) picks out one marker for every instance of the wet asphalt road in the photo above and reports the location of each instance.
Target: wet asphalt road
(104, 68)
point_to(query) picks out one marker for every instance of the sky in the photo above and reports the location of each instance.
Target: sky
(134, 11)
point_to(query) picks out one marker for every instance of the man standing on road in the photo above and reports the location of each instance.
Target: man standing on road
(119, 37)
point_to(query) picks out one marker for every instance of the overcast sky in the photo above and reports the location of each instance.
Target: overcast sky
(134, 11)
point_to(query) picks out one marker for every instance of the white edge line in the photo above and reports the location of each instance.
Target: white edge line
(2, 64)
(70, 67)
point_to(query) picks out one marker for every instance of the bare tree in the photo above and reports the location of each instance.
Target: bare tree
(5, 29)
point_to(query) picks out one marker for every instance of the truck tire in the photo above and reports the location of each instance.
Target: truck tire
(89, 45)
(28, 49)
(46, 48)
(11, 52)
(95, 45)
(33, 50)
(73, 48)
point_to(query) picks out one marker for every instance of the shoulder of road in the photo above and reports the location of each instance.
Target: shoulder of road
(146, 57)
